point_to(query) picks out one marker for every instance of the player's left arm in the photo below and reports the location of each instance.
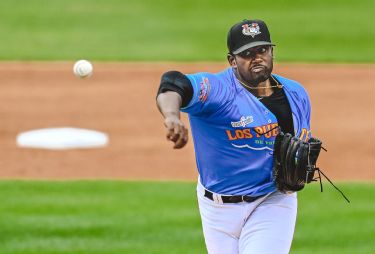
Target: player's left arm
(308, 114)
(305, 114)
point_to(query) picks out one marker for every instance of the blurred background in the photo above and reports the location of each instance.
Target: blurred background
(194, 30)
(137, 194)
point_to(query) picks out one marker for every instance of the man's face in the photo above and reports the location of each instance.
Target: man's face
(253, 65)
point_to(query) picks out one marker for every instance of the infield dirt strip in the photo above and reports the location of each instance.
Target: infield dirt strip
(119, 99)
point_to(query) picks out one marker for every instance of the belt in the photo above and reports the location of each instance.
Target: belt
(231, 199)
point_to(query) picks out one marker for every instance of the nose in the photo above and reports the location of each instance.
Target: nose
(257, 58)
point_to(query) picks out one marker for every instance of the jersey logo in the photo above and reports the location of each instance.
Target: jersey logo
(204, 90)
(251, 30)
(255, 138)
(253, 148)
(242, 122)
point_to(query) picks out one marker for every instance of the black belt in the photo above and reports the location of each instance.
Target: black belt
(231, 199)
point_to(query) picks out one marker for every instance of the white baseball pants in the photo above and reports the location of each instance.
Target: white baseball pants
(265, 226)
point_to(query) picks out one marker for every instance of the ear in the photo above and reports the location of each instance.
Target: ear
(231, 60)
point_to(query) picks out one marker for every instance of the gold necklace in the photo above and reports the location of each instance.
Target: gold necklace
(255, 88)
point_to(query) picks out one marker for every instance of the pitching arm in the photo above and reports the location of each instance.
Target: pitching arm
(174, 92)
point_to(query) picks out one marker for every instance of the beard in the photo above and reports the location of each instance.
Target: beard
(254, 77)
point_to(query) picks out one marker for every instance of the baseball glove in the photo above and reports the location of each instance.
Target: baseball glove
(294, 162)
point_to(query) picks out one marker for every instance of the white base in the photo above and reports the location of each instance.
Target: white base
(62, 138)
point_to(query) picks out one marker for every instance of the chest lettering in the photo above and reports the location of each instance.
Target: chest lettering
(268, 131)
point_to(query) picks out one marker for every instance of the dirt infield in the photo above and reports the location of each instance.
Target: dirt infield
(120, 100)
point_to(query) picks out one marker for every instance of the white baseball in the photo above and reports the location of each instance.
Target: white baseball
(83, 69)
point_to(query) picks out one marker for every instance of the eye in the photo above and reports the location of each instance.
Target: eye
(245, 53)
(262, 50)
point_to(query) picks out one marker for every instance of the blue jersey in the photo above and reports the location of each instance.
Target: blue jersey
(234, 132)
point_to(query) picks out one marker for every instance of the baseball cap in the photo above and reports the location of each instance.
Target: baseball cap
(247, 34)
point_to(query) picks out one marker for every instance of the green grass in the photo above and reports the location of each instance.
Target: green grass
(190, 30)
(160, 217)
(98, 217)
(328, 224)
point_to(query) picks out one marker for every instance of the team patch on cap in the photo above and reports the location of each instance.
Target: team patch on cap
(251, 30)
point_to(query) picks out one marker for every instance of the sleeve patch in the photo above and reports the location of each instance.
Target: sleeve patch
(204, 89)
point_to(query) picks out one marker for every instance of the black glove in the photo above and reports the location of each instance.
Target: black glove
(294, 161)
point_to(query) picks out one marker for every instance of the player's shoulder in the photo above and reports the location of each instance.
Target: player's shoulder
(290, 84)
(219, 76)
(223, 79)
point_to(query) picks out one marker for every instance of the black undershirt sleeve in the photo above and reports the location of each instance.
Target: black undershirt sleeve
(179, 83)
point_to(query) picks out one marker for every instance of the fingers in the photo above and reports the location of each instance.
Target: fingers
(182, 139)
(176, 132)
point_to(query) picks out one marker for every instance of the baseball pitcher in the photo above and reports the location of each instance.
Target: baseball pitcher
(247, 182)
